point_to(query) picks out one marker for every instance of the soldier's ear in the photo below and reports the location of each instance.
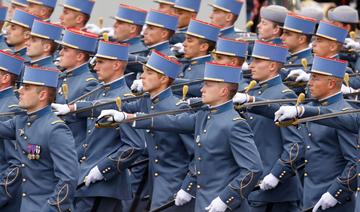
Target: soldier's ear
(27, 34)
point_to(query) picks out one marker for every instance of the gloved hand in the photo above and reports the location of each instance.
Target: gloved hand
(93, 28)
(114, 115)
(93, 176)
(137, 86)
(241, 98)
(108, 30)
(288, 112)
(60, 109)
(178, 47)
(245, 66)
(299, 75)
(217, 205)
(346, 90)
(326, 201)
(269, 182)
(182, 197)
(351, 44)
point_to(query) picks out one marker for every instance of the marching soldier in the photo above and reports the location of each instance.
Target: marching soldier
(3, 44)
(280, 148)
(224, 14)
(46, 146)
(166, 6)
(76, 78)
(16, 4)
(42, 44)
(10, 171)
(18, 32)
(186, 10)
(231, 52)
(76, 13)
(105, 154)
(127, 29)
(41, 8)
(328, 184)
(272, 19)
(235, 154)
(169, 153)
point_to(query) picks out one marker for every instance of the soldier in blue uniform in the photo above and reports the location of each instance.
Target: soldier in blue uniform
(297, 33)
(281, 149)
(200, 41)
(76, 13)
(10, 180)
(45, 143)
(18, 32)
(224, 14)
(231, 52)
(16, 4)
(169, 153)
(43, 43)
(235, 154)
(329, 184)
(41, 8)
(74, 56)
(186, 10)
(128, 24)
(272, 19)
(3, 44)
(166, 6)
(105, 153)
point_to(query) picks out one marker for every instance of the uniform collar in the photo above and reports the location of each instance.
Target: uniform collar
(201, 59)
(271, 82)
(161, 96)
(20, 52)
(160, 46)
(132, 41)
(78, 70)
(275, 41)
(222, 107)
(6, 92)
(182, 29)
(335, 56)
(227, 30)
(37, 114)
(299, 54)
(331, 99)
(115, 84)
(42, 61)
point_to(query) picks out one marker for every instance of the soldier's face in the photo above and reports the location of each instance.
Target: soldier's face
(105, 69)
(11, 10)
(184, 17)
(211, 91)
(319, 85)
(153, 35)
(218, 17)
(68, 18)
(321, 46)
(151, 80)
(260, 69)
(267, 29)
(291, 40)
(166, 8)
(191, 47)
(224, 59)
(16, 35)
(34, 47)
(28, 96)
(122, 30)
(35, 9)
(67, 57)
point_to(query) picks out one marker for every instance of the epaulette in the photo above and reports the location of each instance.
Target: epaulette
(90, 78)
(12, 106)
(238, 118)
(180, 102)
(286, 90)
(345, 108)
(57, 121)
(129, 94)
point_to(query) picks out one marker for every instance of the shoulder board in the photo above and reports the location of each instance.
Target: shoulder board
(128, 95)
(180, 102)
(238, 118)
(286, 91)
(91, 78)
(11, 106)
(346, 108)
(57, 121)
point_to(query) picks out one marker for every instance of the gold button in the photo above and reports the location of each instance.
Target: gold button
(309, 134)
(308, 147)
(85, 145)
(188, 189)
(251, 118)
(24, 179)
(156, 161)
(227, 202)
(28, 124)
(152, 107)
(358, 189)
(199, 158)
(156, 174)
(305, 174)
(199, 144)
(89, 131)
(156, 147)
(83, 158)
(24, 194)
(25, 137)
(22, 165)
(358, 174)
(198, 186)
(198, 172)
(204, 131)
(306, 161)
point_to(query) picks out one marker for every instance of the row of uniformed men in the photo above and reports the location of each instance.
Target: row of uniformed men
(85, 145)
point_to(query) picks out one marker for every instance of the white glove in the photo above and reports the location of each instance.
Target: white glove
(60, 109)
(179, 47)
(182, 197)
(241, 98)
(245, 66)
(346, 90)
(300, 75)
(114, 115)
(269, 182)
(351, 44)
(108, 30)
(217, 205)
(287, 112)
(93, 28)
(137, 86)
(326, 201)
(93, 176)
